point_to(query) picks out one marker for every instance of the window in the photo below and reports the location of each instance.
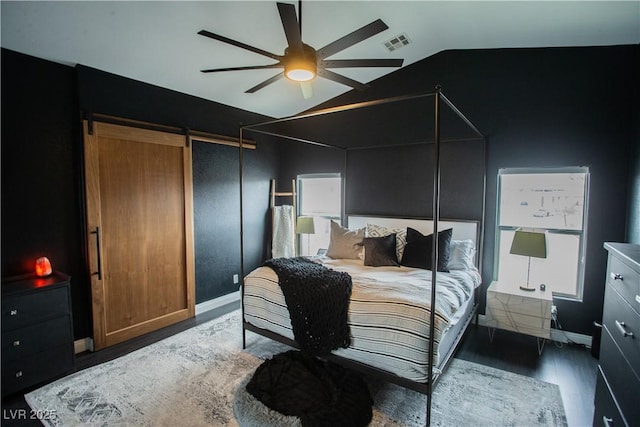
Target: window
(320, 197)
(549, 201)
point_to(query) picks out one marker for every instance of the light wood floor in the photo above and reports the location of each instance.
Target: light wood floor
(571, 367)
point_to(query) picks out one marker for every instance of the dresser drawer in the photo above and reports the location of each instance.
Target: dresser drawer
(606, 413)
(622, 380)
(31, 339)
(34, 369)
(27, 309)
(625, 280)
(623, 323)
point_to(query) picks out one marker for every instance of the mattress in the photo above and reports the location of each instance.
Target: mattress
(389, 312)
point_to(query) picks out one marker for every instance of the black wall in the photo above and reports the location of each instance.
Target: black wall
(633, 206)
(537, 108)
(41, 207)
(42, 194)
(399, 181)
(215, 200)
(216, 197)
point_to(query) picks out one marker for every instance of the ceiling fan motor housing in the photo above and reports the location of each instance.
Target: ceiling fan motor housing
(300, 65)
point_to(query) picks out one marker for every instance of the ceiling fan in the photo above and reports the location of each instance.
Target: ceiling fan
(301, 62)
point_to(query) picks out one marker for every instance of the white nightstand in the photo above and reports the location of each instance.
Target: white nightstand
(512, 309)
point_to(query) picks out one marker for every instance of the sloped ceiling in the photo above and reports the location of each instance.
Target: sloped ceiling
(157, 42)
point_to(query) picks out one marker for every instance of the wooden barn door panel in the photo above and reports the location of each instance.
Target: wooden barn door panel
(140, 225)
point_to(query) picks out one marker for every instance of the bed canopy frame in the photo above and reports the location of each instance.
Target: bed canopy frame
(427, 112)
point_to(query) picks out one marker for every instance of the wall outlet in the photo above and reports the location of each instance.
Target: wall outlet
(235, 279)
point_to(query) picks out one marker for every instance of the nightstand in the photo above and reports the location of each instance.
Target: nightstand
(512, 309)
(37, 330)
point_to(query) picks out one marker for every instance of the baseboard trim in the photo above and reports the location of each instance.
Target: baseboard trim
(558, 335)
(82, 345)
(217, 302)
(574, 337)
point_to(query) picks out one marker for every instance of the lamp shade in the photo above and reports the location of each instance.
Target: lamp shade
(529, 243)
(304, 225)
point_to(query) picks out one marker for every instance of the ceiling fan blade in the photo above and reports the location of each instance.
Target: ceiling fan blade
(290, 24)
(352, 38)
(339, 78)
(254, 67)
(353, 63)
(307, 90)
(239, 44)
(265, 83)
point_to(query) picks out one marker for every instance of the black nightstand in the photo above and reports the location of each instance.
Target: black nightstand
(37, 330)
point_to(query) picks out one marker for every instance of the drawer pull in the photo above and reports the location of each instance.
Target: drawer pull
(18, 374)
(16, 343)
(622, 327)
(616, 276)
(13, 312)
(606, 421)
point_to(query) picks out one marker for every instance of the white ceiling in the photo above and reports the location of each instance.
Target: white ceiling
(157, 42)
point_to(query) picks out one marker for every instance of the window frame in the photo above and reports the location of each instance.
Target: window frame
(299, 185)
(582, 233)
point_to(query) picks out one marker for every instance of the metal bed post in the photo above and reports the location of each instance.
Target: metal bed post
(240, 171)
(434, 249)
(343, 188)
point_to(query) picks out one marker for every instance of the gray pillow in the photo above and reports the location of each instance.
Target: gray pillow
(345, 243)
(380, 251)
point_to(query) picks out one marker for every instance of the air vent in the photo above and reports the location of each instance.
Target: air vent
(397, 42)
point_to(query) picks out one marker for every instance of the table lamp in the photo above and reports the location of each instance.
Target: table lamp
(305, 225)
(530, 244)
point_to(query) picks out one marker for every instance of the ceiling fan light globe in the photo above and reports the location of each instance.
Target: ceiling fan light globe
(300, 66)
(300, 75)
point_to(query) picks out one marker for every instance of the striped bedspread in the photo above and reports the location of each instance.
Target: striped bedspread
(388, 313)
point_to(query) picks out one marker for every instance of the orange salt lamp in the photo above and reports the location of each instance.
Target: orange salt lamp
(43, 267)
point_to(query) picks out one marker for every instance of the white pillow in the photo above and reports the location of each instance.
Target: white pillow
(374, 230)
(345, 243)
(461, 253)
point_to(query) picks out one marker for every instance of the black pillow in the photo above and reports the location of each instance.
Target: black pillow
(379, 251)
(417, 252)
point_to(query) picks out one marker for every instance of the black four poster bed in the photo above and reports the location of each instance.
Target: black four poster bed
(390, 313)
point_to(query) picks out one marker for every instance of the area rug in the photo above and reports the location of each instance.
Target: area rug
(195, 378)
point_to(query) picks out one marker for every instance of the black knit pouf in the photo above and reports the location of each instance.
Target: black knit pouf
(296, 389)
(250, 412)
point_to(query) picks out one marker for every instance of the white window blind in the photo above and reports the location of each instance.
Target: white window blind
(320, 197)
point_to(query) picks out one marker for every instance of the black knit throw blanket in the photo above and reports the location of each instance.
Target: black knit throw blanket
(318, 302)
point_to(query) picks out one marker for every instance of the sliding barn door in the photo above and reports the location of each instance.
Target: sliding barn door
(139, 198)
